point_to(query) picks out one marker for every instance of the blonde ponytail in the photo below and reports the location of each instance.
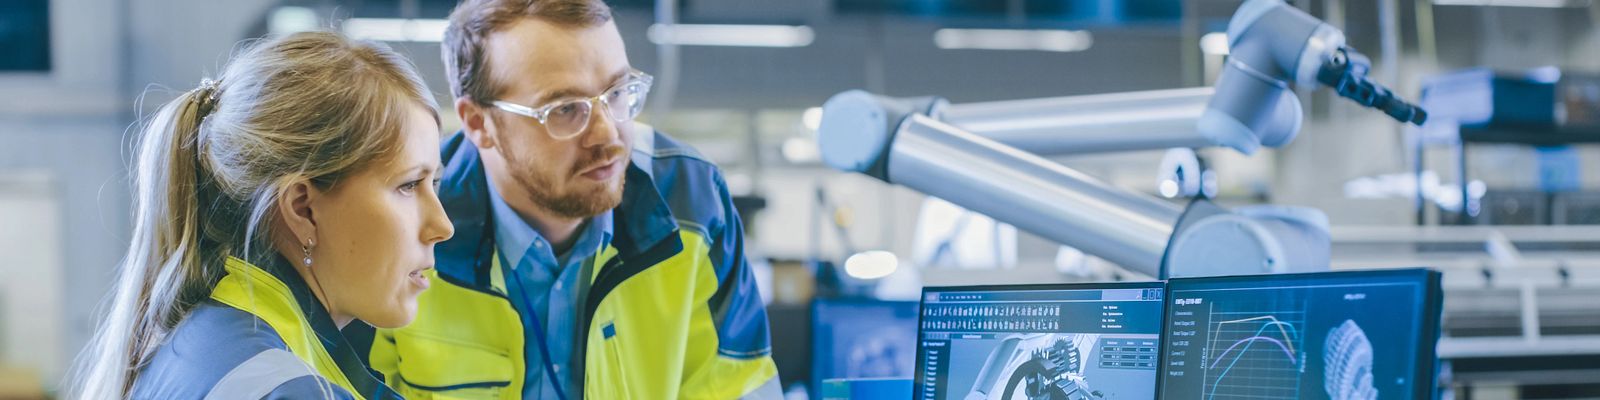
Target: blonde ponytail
(311, 105)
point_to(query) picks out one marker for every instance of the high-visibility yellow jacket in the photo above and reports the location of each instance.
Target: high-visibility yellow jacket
(261, 334)
(671, 311)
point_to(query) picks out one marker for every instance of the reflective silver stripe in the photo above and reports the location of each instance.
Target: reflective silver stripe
(259, 375)
(770, 390)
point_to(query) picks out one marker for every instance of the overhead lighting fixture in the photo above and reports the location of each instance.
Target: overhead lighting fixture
(287, 20)
(730, 35)
(1516, 3)
(1214, 43)
(396, 29)
(872, 264)
(1013, 39)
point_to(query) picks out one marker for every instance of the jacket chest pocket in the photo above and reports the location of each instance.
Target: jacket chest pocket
(442, 368)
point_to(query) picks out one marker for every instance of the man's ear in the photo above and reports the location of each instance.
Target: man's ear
(475, 122)
(294, 207)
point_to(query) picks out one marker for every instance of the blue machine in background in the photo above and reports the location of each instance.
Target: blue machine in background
(1548, 109)
(861, 338)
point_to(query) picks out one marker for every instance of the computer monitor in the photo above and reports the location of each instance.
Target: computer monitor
(862, 339)
(1068, 341)
(1338, 335)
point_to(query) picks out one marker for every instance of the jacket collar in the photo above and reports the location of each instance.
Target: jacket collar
(323, 326)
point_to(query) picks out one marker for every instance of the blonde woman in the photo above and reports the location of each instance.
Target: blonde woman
(292, 195)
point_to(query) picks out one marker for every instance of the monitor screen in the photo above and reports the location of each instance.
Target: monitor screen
(862, 339)
(1340, 335)
(1039, 341)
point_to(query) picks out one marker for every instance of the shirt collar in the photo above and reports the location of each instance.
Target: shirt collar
(640, 222)
(518, 242)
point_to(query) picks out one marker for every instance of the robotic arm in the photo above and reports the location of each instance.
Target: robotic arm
(1274, 48)
(964, 154)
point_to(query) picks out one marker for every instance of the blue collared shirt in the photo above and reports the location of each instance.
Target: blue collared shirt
(538, 278)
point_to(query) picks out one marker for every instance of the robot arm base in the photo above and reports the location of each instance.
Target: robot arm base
(1212, 241)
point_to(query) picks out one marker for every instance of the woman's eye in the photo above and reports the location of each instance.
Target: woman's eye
(411, 187)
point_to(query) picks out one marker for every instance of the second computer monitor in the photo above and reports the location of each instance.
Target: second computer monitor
(1039, 341)
(1339, 335)
(854, 339)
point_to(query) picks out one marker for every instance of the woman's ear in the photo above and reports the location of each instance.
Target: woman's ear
(295, 208)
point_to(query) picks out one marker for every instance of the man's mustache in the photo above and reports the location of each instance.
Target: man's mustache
(600, 156)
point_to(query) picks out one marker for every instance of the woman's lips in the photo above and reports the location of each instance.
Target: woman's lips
(419, 279)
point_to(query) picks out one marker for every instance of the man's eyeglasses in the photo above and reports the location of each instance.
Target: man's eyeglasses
(565, 119)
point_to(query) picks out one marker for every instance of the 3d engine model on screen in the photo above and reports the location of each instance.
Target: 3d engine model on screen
(987, 157)
(1038, 366)
(1347, 359)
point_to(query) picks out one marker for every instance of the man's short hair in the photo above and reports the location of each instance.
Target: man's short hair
(474, 20)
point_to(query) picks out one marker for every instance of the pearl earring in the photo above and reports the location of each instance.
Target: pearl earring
(307, 250)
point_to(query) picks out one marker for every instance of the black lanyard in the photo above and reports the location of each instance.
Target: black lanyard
(538, 334)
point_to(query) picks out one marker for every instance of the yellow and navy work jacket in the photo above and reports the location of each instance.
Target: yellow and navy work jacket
(261, 335)
(671, 310)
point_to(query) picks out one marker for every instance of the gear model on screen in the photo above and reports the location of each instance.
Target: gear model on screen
(1347, 360)
(1038, 367)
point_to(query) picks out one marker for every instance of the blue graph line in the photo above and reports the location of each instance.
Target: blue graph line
(1251, 340)
(1275, 321)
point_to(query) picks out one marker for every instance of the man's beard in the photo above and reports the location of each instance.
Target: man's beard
(573, 203)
